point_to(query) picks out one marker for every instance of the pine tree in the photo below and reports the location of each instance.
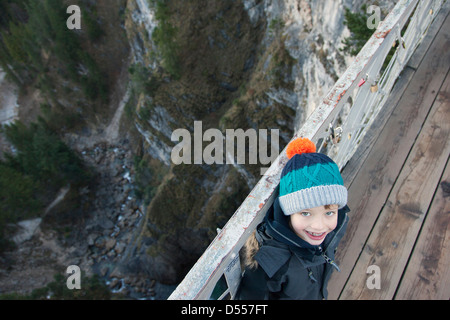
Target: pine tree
(360, 33)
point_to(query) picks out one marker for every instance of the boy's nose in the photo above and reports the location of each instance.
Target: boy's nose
(317, 224)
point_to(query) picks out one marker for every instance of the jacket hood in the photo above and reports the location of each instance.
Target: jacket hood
(278, 227)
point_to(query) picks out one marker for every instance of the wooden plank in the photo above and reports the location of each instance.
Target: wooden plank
(427, 275)
(371, 187)
(392, 239)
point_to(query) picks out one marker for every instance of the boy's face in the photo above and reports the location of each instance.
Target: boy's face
(313, 225)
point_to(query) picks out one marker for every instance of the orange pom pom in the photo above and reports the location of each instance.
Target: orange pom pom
(299, 146)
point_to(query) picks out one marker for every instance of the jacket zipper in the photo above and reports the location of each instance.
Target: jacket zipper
(329, 260)
(311, 275)
(331, 244)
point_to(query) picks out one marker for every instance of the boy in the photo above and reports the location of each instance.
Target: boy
(291, 254)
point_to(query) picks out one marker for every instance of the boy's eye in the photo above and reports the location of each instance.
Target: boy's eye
(305, 214)
(329, 213)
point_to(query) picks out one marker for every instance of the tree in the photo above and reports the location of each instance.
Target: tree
(17, 201)
(14, 42)
(164, 37)
(41, 164)
(44, 26)
(43, 156)
(360, 33)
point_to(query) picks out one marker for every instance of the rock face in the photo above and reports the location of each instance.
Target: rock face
(8, 100)
(217, 48)
(26, 230)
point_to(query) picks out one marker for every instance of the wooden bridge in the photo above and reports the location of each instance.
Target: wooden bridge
(399, 186)
(393, 149)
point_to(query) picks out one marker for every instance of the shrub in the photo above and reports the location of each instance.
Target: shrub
(41, 164)
(360, 33)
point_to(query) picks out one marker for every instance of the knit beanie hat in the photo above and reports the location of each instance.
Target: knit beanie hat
(309, 179)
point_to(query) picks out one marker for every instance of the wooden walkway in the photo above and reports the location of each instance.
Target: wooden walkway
(399, 187)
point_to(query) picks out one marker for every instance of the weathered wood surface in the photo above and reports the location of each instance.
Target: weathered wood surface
(427, 275)
(392, 239)
(380, 188)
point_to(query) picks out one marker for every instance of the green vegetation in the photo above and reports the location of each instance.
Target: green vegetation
(360, 34)
(42, 155)
(34, 38)
(149, 175)
(93, 29)
(40, 166)
(164, 37)
(142, 80)
(357, 24)
(92, 288)
(276, 25)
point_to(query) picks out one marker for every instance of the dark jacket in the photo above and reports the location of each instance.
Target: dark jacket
(289, 267)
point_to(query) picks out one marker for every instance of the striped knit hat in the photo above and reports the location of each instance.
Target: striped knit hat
(309, 179)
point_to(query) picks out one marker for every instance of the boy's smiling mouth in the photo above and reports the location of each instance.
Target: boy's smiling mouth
(316, 236)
